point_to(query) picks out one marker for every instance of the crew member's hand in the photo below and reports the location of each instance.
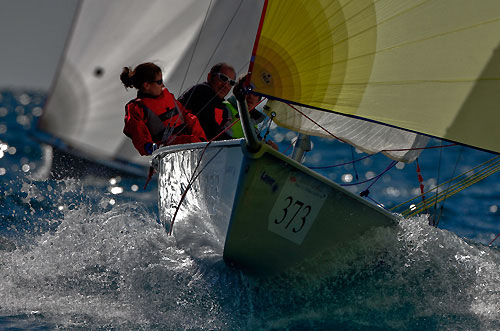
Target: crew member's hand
(239, 90)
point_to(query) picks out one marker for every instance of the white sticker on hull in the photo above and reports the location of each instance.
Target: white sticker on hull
(296, 209)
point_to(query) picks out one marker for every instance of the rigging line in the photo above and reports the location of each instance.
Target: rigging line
(442, 197)
(195, 46)
(192, 55)
(392, 164)
(458, 187)
(453, 174)
(491, 242)
(257, 39)
(421, 183)
(345, 163)
(492, 160)
(288, 148)
(481, 174)
(273, 114)
(437, 181)
(321, 127)
(344, 141)
(211, 56)
(354, 164)
(194, 176)
(376, 202)
(382, 151)
(208, 102)
(221, 38)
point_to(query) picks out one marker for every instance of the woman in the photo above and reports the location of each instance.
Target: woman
(155, 116)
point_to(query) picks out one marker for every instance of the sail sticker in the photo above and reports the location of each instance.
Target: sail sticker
(266, 77)
(269, 180)
(296, 208)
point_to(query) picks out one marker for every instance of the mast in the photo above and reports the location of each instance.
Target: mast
(253, 143)
(301, 146)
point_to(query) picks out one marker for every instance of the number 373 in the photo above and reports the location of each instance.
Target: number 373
(294, 209)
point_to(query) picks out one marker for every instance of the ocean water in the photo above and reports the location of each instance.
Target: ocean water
(90, 253)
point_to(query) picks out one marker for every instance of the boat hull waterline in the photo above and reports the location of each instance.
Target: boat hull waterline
(272, 211)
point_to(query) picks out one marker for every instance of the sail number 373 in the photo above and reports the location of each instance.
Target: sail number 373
(294, 210)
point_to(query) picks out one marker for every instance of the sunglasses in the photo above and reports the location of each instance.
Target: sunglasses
(225, 79)
(159, 81)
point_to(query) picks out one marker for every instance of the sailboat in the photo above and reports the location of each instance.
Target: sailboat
(381, 75)
(427, 67)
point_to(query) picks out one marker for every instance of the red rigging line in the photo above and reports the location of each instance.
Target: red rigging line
(256, 44)
(421, 183)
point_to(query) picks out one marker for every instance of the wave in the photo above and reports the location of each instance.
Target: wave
(117, 266)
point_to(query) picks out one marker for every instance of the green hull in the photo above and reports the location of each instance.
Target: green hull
(284, 213)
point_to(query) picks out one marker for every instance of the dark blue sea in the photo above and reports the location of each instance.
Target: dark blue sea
(89, 253)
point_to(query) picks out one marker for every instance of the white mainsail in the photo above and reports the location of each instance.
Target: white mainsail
(85, 109)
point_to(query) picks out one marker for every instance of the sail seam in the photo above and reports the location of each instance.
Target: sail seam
(469, 27)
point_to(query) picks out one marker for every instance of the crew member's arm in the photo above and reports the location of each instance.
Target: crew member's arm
(192, 123)
(136, 128)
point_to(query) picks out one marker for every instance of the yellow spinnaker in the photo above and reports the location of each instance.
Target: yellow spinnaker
(430, 66)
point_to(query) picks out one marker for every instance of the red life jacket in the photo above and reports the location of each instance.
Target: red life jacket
(161, 120)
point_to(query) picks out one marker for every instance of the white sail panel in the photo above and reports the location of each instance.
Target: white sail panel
(397, 144)
(85, 109)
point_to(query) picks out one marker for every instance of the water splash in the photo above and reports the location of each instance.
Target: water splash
(118, 267)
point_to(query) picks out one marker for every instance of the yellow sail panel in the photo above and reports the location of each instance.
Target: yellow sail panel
(430, 66)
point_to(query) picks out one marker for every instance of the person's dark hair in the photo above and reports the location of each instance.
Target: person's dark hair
(217, 67)
(144, 72)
